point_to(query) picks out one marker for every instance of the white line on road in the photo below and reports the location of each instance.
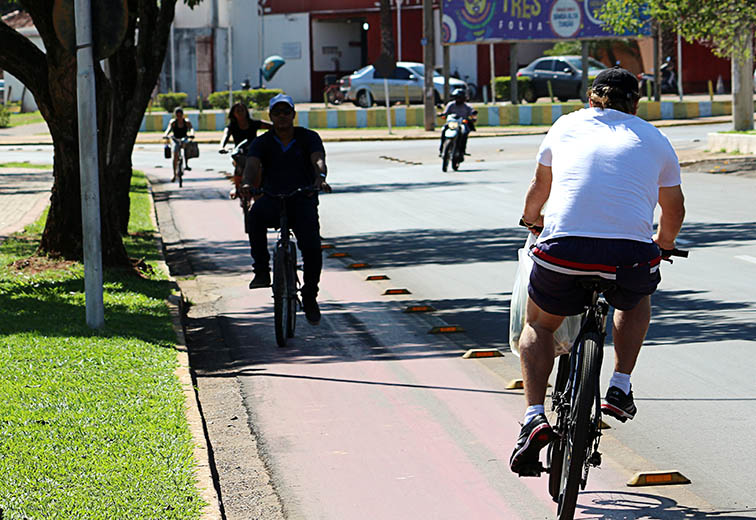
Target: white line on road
(747, 258)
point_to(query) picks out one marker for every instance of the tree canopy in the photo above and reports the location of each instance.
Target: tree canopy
(725, 25)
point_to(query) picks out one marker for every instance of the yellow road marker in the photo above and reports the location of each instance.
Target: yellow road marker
(397, 291)
(338, 255)
(657, 478)
(515, 384)
(419, 308)
(482, 353)
(446, 329)
(374, 277)
(603, 425)
(358, 265)
(326, 246)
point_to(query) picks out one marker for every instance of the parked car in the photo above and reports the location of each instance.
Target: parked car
(564, 72)
(365, 86)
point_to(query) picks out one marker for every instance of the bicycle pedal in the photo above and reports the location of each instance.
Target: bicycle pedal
(595, 459)
(532, 470)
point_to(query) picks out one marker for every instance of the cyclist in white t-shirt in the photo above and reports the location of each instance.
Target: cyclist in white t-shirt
(603, 170)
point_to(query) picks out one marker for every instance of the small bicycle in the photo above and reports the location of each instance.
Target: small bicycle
(576, 400)
(285, 280)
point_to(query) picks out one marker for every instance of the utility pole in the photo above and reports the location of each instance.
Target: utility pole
(429, 62)
(514, 95)
(89, 165)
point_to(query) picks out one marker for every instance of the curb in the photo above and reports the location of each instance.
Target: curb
(176, 303)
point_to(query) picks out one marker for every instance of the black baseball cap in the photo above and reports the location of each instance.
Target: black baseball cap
(617, 77)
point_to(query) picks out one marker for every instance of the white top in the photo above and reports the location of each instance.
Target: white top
(607, 167)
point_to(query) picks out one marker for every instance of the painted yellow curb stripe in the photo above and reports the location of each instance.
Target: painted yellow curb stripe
(657, 478)
(482, 353)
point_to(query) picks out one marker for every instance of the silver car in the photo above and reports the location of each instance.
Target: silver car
(365, 86)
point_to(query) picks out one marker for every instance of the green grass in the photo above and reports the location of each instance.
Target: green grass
(18, 119)
(746, 132)
(26, 164)
(91, 422)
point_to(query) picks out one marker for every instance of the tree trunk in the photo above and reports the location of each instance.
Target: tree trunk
(742, 87)
(387, 30)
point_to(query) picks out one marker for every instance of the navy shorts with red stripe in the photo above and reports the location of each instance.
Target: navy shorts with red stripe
(560, 262)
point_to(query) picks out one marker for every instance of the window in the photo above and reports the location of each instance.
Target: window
(401, 73)
(545, 65)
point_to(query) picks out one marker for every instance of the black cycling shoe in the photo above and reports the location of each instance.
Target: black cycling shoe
(311, 309)
(187, 168)
(533, 437)
(260, 280)
(618, 404)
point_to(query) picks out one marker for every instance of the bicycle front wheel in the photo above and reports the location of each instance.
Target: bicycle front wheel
(446, 155)
(577, 439)
(180, 173)
(281, 310)
(291, 301)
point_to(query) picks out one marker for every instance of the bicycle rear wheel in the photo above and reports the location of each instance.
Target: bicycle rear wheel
(291, 301)
(281, 311)
(577, 439)
(555, 451)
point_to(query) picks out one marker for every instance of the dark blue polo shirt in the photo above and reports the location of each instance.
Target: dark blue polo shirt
(285, 169)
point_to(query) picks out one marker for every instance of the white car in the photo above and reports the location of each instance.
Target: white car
(365, 86)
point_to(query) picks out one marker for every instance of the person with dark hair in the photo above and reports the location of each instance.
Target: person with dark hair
(240, 127)
(282, 160)
(181, 128)
(603, 171)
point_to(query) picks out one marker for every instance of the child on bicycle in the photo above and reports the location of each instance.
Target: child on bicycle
(603, 170)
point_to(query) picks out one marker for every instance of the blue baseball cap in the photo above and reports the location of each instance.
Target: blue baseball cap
(280, 98)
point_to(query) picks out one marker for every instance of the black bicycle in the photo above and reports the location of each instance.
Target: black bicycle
(285, 280)
(576, 400)
(178, 171)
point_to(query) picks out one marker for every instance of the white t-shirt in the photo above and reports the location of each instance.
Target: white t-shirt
(607, 167)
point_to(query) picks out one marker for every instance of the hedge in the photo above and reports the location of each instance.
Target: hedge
(170, 100)
(4, 117)
(253, 98)
(501, 87)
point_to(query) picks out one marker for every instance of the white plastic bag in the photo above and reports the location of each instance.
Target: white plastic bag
(567, 331)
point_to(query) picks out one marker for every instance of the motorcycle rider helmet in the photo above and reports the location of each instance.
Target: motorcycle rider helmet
(458, 93)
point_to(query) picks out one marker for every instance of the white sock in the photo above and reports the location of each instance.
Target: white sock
(532, 411)
(621, 381)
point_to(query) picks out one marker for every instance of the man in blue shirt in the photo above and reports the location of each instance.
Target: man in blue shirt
(280, 161)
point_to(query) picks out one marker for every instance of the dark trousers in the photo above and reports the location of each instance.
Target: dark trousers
(303, 221)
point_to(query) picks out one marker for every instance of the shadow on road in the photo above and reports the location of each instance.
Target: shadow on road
(611, 505)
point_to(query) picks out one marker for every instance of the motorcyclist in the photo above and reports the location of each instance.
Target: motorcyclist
(459, 108)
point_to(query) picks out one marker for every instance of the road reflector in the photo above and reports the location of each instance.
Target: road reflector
(603, 425)
(397, 291)
(419, 308)
(482, 353)
(657, 478)
(515, 384)
(326, 246)
(374, 277)
(338, 255)
(446, 329)
(358, 265)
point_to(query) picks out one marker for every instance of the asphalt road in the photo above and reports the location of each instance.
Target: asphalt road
(369, 415)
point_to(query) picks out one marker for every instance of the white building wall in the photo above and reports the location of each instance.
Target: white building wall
(188, 18)
(463, 60)
(288, 36)
(333, 52)
(14, 89)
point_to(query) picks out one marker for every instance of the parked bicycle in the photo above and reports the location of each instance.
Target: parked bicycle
(576, 400)
(285, 279)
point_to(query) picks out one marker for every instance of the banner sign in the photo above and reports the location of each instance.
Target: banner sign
(513, 20)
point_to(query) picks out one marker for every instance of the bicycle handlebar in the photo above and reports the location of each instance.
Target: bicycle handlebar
(261, 191)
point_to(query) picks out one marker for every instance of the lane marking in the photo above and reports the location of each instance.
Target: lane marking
(657, 478)
(482, 353)
(446, 329)
(747, 258)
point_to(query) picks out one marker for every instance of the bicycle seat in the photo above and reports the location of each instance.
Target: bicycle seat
(596, 283)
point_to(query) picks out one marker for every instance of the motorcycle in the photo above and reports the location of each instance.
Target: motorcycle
(454, 132)
(668, 79)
